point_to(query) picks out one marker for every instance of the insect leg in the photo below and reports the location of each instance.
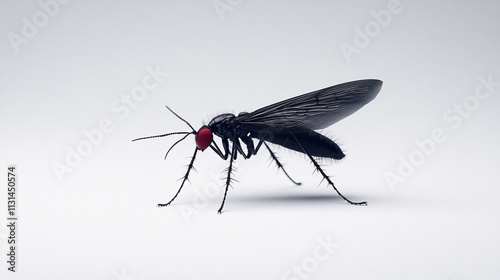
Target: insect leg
(190, 166)
(218, 151)
(250, 148)
(228, 179)
(239, 149)
(258, 146)
(225, 145)
(280, 166)
(326, 177)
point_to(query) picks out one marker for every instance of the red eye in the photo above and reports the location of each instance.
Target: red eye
(203, 138)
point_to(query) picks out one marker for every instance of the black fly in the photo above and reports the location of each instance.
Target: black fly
(290, 123)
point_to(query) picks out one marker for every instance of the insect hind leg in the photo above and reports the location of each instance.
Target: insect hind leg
(326, 177)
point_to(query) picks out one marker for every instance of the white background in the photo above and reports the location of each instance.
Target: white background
(100, 221)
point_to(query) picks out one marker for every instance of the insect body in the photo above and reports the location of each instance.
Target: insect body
(290, 123)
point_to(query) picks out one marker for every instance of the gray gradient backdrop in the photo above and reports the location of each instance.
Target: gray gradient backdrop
(68, 66)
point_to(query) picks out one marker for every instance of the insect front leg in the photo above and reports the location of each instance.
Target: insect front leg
(186, 176)
(217, 150)
(229, 180)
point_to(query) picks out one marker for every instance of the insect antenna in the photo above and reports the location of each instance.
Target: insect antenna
(171, 133)
(186, 134)
(181, 118)
(178, 141)
(163, 135)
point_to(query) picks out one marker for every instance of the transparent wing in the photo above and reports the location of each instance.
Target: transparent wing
(314, 110)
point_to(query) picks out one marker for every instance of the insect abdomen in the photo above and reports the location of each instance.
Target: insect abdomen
(314, 143)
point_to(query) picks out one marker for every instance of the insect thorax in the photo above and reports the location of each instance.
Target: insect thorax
(220, 125)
